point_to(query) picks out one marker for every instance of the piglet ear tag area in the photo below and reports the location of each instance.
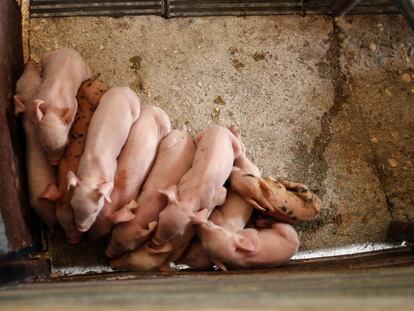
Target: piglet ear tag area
(72, 180)
(165, 248)
(124, 214)
(18, 105)
(38, 110)
(244, 244)
(170, 193)
(51, 193)
(105, 189)
(68, 116)
(200, 217)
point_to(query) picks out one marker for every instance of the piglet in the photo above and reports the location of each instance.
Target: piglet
(152, 257)
(134, 164)
(54, 107)
(201, 188)
(279, 198)
(174, 158)
(233, 215)
(41, 176)
(268, 247)
(88, 97)
(108, 131)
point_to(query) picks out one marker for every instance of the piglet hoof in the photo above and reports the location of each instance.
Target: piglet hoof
(235, 130)
(166, 267)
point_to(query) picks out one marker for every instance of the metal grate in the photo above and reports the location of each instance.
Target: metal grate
(176, 8)
(49, 8)
(245, 7)
(262, 7)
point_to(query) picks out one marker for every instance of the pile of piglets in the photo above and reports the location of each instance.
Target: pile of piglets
(101, 163)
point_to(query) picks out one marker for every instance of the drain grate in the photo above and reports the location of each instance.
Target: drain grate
(53, 8)
(176, 8)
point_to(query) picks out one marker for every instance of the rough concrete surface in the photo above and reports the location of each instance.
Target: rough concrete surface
(379, 65)
(308, 94)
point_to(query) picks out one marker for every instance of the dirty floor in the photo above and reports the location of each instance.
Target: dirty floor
(326, 102)
(271, 290)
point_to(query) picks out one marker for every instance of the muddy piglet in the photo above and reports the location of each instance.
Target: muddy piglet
(174, 158)
(201, 188)
(41, 176)
(54, 107)
(108, 131)
(88, 97)
(134, 165)
(268, 247)
(279, 198)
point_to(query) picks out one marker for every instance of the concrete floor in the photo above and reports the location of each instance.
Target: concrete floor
(329, 103)
(367, 289)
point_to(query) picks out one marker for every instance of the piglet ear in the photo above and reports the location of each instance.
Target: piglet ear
(144, 234)
(243, 244)
(164, 248)
(38, 110)
(152, 226)
(18, 105)
(124, 214)
(51, 193)
(68, 115)
(105, 189)
(72, 180)
(170, 193)
(200, 217)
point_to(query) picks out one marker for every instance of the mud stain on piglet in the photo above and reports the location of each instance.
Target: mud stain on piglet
(121, 179)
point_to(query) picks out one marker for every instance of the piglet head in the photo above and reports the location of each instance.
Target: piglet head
(87, 200)
(175, 218)
(146, 258)
(53, 127)
(222, 245)
(124, 240)
(172, 222)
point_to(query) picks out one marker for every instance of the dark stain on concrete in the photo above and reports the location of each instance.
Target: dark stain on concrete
(219, 101)
(312, 167)
(233, 51)
(258, 56)
(135, 63)
(237, 64)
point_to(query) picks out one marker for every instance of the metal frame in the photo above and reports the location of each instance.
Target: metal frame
(181, 8)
